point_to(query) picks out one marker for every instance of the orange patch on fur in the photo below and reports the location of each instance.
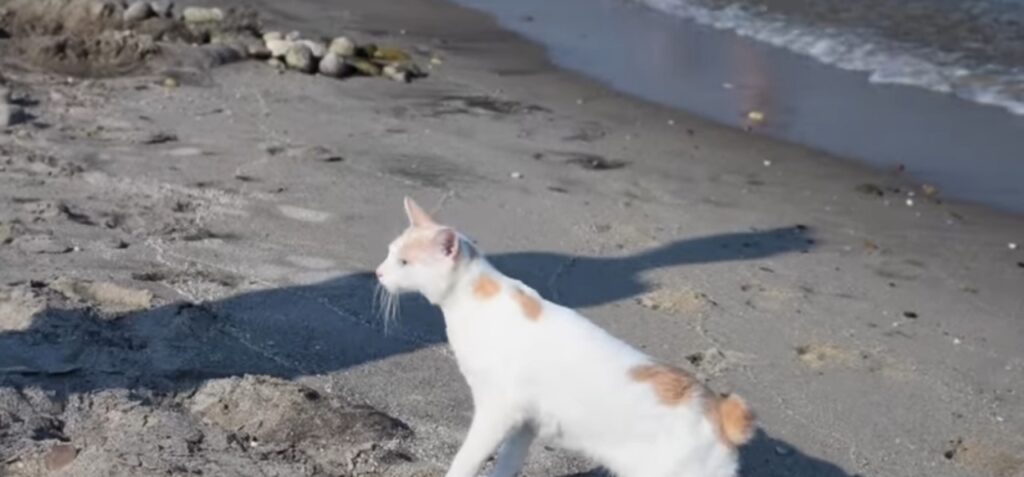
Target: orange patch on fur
(672, 386)
(732, 419)
(485, 287)
(530, 305)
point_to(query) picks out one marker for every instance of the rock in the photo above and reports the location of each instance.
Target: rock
(390, 54)
(258, 50)
(366, 51)
(365, 67)
(300, 58)
(279, 48)
(6, 233)
(396, 72)
(272, 36)
(335, 66)
(217, 54)
(293, 36)
(162, 8)
(10, 115)
(277, 63)
(342, 47)
(137, 12)
(246, 45)
(317, 48)
(202, 15)
(59, 457)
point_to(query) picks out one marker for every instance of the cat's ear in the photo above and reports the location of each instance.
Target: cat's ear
(447, 241)
(417, 216)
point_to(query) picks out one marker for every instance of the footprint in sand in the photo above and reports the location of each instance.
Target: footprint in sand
(678, 301)
(305, 215)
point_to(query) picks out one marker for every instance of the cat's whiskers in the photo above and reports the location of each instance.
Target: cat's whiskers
(386, 304)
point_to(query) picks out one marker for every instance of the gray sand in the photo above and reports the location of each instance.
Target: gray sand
(184, 286)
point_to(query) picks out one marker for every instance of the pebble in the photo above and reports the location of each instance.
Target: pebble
(202, 15)
(317, 48)
(163, 8)
(396, 73)
(138, 11)
(756, 116)
(516, 175)
(277, 63)
(300, 58)
(910, 202)
(170, 83)
(10, 115)
(257, 49)
(767, 163)
(59, 456)
(279, 48)
(293, 36)
(1012, 246)
(273, 36)
(342, 47)
(334, 66)
(366, 67)
(671, 122)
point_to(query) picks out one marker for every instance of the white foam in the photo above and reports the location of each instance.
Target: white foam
(886, 61)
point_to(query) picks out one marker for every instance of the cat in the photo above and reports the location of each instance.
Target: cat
(535, 368)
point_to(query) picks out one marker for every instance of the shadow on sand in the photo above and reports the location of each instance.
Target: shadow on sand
(329, 326)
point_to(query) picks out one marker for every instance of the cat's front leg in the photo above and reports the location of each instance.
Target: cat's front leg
(489, 427)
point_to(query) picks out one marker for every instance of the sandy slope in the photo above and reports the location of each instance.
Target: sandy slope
(163, 246)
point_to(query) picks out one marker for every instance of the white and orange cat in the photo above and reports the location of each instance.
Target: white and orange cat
(536, 368)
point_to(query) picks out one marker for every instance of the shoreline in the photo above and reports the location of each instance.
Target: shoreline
(871, 338)
(965, 149)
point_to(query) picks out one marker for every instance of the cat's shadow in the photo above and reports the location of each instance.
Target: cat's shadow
(765, 456)
(324, 327)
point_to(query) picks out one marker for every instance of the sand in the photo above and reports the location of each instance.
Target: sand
(185, 283)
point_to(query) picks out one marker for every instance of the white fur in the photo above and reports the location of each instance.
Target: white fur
(560, 377)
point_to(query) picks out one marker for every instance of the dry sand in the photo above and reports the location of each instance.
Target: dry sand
(183, 283)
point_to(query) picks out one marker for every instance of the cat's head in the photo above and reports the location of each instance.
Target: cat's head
(425, 258)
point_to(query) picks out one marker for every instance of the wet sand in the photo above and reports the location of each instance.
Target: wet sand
(146, 282)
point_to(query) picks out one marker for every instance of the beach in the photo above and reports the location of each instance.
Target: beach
(185, 279)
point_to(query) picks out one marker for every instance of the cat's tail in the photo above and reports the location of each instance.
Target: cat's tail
(735, 420)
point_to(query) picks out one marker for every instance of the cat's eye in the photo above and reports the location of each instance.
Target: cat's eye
(403, 262)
